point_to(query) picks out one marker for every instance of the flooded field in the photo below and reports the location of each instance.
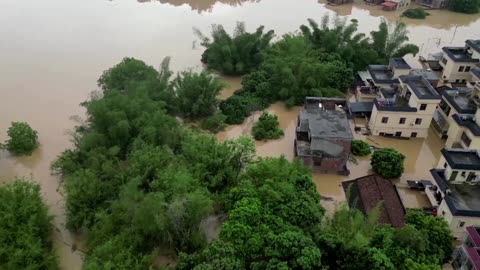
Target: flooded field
(53, 51)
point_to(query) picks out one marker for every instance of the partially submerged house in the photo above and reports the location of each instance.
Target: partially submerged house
(366, 193)
(467, 255)
(433, 3)
(323, 136)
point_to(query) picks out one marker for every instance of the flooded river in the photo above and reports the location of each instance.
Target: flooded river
(53, 51)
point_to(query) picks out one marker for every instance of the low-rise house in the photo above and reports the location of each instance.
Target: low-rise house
(467, 255)
(433, 3)
(389, 6)
(458, 61)
(366, 193)
(323, 136)
(457, 179)
(406, 111)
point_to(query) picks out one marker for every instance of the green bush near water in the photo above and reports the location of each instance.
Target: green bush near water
(267, 127)
(415, 13)
(388, 162)
(23, 139)
(360, 148)
(215, 123)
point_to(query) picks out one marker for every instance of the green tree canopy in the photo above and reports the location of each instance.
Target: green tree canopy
(360, 148)
(388, 162)
(267, 127)
(464, 6)
(25, 228)
(23, 139)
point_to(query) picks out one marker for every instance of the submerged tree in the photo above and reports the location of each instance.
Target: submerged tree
(388, 162)
(267, 127)
(23, 139)
(464, 6)
(235, 54)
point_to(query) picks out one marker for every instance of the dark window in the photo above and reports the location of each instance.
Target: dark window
(414, 135)
(457, 81)
(445, 108)
(465, 139)
(398, 134)
(443, 213)
(453, 176)
(423, 107)
(461, 224)
(460, 69)
(444, 60)
(384, 120)
(467, 69)
(402, 120)
(418, 121)
(445, 165)
(464, 81)
(464, 173)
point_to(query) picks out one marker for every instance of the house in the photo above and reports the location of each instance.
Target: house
(389, 6)
(456, 189)
(369, 82)
(366, 193)
(433, 3)
(458, 61)
(454, 102)
(323, 136)
(428, 74)
(467, 255)
(405, 111)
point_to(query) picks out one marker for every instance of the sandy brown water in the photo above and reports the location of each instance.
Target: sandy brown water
(53, 51)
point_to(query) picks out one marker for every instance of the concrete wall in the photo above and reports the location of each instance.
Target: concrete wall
(454, 221)
(449, 171)
(451, 73)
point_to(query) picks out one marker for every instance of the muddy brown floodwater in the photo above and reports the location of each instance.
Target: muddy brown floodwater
(53, 51)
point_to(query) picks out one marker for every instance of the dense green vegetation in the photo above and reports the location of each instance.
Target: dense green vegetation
(360, 148)
(215, 123)
(464, 6)
(388, 162)
(23, 139)
(415, 13)
(318, 61)
(24, 228)
(235, 54)
(267, 127)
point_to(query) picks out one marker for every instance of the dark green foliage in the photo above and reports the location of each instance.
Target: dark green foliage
(415, 13)
(197, 94)
(360, 148)
(215, 123)
(388, 162)
(24, 228)
(464, 6)
(23, 139)
(237, 54)
(267, 127)
(241, 105)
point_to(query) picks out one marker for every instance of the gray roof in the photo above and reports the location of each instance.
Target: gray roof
(381, 74)
(474, 44)
(460, 100)
(422, 88)
(429, 75)
(399, 63)
(325, 124)
(465, 159)
(361, 107)
(459, 54)
(326, 147)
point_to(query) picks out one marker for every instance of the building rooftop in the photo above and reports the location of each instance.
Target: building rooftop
(388, 93)
(465, 159)
(461, 100)
(325, 124)
(420, 86)
(474, 233)
(466, 120)
(459, 54)
(462, 199)
(361, 107)
(399, 104)
(365, 193)
(474, 44)
(381, 74)
(429, 75)
(399, 63)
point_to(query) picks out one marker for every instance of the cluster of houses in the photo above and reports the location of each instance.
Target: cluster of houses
(392, 5)
(403, 102)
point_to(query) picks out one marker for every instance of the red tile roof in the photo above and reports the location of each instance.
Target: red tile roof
(389, 4)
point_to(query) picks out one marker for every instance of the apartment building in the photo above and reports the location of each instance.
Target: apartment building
(467, 255)
(406, 111)
(456, 188)
(457, 62)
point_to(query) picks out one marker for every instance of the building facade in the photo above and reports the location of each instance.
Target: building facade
(467, 255)
(457, 62)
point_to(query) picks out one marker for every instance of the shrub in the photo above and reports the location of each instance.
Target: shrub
(239, 106)
(360, 148)
(388, 162)
(415, 13)
(23, 139)
(464, 6)
(267, 127)
(215, 123)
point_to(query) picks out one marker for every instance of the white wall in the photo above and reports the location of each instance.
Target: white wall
(451, 73)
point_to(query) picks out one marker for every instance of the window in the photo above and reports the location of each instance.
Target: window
(414, 135)
(465, 139)
(423, 107)
(464, 81)
(460, 69)
(418, 121)
(461, 224)
(457, 81)
(402, 120)
(443, 213)
(384, 120)
(445, 165)
(467, 69)
(444, 60)
(463, 174)
(445, 108)
(398, 134)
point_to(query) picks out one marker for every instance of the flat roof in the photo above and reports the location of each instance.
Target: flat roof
(361, 107)
(474, 44)
(325, 124)
(429, 75)
(422, 88)
(398, 62)
(381, 74)
(460, 100)
(387, 93)
(466, 120)
(462, 199)
(466, 159)
(459, 54)
(398, 105)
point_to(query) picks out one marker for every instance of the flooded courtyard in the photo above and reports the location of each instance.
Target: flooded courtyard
(53, 51)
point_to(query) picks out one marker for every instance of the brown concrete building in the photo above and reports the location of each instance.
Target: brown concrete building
(323, 136)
